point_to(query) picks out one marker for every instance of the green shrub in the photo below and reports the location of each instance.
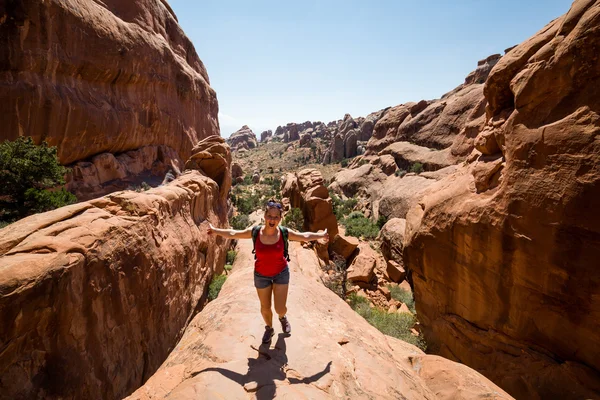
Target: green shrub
(400, 172)
(403, 296)
(247, 203)
(231, 254)
(228, 267)
(27, 172)
(344, 163)
(381, 221)
(294, 219)
(215, 286)
(4, 224)
(240, 222)
(247, 180)
(356, 300)
(341, 208)
(417, 168)
(397, 325)
(358, 225)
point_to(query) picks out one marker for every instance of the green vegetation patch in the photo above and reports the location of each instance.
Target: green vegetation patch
(403, 296)
(341, 208)
(358, 225)
(231, 254)
(215, 286)
(398, 325)
(294, 219)
(240, 222)
(30, 174)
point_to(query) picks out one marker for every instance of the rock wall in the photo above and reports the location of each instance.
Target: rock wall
(504, 253)
(95, 77)
(95, 295)
(332, 353)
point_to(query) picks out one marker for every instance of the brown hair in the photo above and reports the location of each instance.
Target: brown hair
(273, 203)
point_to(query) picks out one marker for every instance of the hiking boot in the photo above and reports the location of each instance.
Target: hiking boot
(285, 325)
(269, 332)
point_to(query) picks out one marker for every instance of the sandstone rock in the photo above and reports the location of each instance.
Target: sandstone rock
(395, 271)
(306, 191)
(404, 309)
(392, 239)
(94, 295)
(266, 135)
(213, 157)
(519, 263)
(255, 178)
(362, 268)
(350, 143)
(102, 78)
(385, 292)
(344, 245)
(406, 154)
(243, 138)
(387, 163)
(305, 140)
(337, 148)
(486, 142)
(237, 171)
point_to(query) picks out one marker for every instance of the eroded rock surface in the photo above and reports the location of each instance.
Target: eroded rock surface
(504, 252)
(243, 138)
(332, 352)
(103, 79)
(93, 296)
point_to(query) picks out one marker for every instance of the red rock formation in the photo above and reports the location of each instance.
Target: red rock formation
(332, 352)
(243, 138)
(94, 77)
(504, 253)
(93, 296)
(306, 191)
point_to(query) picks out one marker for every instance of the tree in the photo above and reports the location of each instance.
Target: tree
(27, 171)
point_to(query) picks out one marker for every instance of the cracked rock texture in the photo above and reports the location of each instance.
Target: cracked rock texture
(504, 252)
(332, 352)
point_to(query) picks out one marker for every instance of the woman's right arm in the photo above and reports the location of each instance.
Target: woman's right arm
(230, 233)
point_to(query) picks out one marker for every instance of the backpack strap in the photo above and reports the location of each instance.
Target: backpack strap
(284, 232)
(255, 231)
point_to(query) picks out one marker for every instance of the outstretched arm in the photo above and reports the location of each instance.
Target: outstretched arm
(230, 233)
(308, 236)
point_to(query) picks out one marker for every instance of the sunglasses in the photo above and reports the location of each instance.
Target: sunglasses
(273, 204)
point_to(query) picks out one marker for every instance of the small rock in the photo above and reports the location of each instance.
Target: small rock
(251, 387)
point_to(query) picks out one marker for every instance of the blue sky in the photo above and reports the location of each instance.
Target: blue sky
(274, 62)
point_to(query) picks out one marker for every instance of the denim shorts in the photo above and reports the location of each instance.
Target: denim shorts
(282, 278)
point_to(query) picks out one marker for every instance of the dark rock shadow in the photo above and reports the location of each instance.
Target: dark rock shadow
(269, 366)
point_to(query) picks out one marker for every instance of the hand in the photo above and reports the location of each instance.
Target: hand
(325, 238)
(210, 229)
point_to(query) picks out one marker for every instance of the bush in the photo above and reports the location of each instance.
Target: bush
(228, 267)
(400, 172)
(403, 296)
(231, 256)
(27, 171)
(294, 219)
(4, 224)
(247, 203)
(358, 225)
(341, 208)
(381, 221)
(344, 163)
(215, 286)
(397, 325)
(417, 168)
(240, 222)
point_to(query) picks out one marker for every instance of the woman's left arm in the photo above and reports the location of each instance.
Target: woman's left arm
(307, 236)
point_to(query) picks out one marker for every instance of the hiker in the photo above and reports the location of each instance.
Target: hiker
(271, 271)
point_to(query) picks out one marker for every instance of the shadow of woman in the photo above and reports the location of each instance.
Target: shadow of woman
(269, 366)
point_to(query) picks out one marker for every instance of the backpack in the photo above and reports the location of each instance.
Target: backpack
(284, 232)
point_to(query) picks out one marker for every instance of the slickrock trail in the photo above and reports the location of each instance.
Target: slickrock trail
(332, 352)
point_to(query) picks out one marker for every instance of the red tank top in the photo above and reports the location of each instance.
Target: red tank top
(269, 257)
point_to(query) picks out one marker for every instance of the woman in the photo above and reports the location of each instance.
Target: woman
(271, 271)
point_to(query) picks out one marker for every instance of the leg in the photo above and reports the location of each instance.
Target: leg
(280, 293)
(264, 295)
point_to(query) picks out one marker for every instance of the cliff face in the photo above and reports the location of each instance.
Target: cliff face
(504, 253)
(96, 77)
(94, 296)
